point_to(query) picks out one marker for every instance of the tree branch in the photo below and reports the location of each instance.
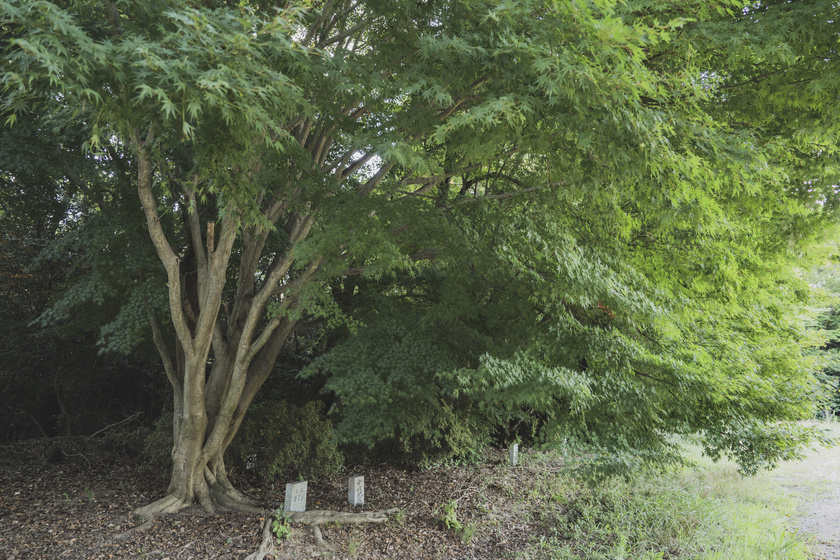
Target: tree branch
(354, 166)
(310, 32)
(194, 226)
(164, 249)
(491, 197)
(754, 79)
(169, 365)
(344, 34)
(368, 187)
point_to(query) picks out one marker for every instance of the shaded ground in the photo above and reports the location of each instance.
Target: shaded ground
(63, 498)
(68, 498)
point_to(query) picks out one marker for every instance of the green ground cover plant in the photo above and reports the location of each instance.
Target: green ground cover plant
(709, 512)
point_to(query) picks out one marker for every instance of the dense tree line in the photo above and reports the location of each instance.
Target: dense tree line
(487, 219)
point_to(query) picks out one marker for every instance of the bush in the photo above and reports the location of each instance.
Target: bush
(280, 441)
(391, 401)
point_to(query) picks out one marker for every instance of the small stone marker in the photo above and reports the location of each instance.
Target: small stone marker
(295, 496)
(514, 454)
(356, 493)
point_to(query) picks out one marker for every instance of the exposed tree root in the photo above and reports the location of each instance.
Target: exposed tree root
(319, 516)
(315, 518)
(168, 504)
(211, 495)
(127, 533)
(267, 545)
(319, 538)
(225, 496)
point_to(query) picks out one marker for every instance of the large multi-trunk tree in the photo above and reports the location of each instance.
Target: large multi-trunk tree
(278, 148)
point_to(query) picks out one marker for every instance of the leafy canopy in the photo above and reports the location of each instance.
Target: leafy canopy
(583, 216)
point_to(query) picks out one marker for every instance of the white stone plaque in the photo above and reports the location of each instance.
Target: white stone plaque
(514, 454)
(356, 493)
(295, 496)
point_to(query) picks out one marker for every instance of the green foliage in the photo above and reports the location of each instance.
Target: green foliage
(399, 518)
(762, 446)
(568, 220)
(468, 532)
(449, 516)
(52, 379)
(389, 394)
(282, 441)
(825, 320)
(280, 525)
(448, 519)
(708, 511)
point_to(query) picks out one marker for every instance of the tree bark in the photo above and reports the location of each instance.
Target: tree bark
(209, 408)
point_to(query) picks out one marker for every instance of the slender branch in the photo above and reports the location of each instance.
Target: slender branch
(361, 109)
(169, 365)
(303, 133)
(345, 34)
(194, 226)
(322, 146)
(253, 242)
(277, 272)
(753, 79)
(164, 249)
(317, 23)
(458, 101)
(435, 179)
(355, 165)
(491, 197)
(134, 416)
(368, 187)
(340, 162)
(258, 344)
(216, 277)
(295, 123)
(339, 16)
(76, 180)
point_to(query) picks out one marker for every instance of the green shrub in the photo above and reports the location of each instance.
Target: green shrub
(280, 441)
(390, 400)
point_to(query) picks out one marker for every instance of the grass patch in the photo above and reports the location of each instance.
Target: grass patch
(707, 513)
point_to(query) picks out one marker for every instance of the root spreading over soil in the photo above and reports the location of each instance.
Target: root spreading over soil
(66, 498)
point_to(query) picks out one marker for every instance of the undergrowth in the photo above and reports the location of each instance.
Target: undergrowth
(711, 513)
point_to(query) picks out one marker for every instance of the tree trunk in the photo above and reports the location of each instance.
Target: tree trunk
(198, 478)
(198, 469)
(209, 405)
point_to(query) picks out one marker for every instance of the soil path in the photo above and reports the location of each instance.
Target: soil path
(815, 482)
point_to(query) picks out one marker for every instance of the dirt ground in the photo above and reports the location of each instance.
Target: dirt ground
(66, 499)
(59, 499)
(815, 482)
